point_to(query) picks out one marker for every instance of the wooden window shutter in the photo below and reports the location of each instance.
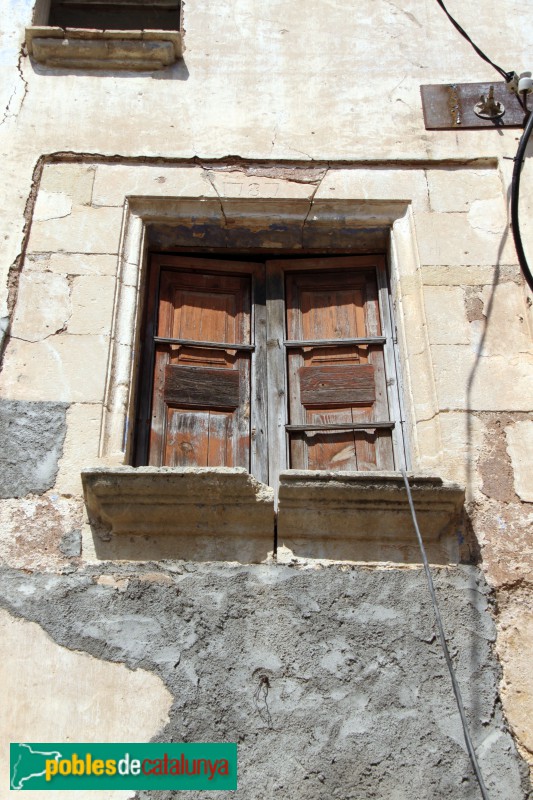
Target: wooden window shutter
(338, 408)
(201, 377)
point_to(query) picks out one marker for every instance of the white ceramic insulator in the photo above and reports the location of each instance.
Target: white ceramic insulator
(525, 83)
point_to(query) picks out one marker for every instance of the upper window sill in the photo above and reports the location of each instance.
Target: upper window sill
(83, 48)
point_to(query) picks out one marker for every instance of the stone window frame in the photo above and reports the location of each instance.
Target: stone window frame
(378, 226)
(392, 219)
(99, 49)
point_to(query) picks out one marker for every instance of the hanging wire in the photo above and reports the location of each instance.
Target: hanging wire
(456, 690)
(515, 196)
(507, 76)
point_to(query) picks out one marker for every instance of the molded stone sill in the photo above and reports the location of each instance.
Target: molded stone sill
(197, 513)
(365, 516)
(81, 48)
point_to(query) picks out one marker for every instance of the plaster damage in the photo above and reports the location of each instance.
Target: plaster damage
(33, 435)
(358, 702)
(56, 694)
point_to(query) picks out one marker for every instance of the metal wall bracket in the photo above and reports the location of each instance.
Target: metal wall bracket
(453, 106)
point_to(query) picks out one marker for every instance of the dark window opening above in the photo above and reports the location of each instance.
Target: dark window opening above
(160, 15)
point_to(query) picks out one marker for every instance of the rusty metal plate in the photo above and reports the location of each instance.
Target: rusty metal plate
(450, 106)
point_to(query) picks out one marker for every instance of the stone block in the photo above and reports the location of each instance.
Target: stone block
(113, 183)
(62, 368)
(504, 330)
(51, 205)
(514, 649)
(462, 441)
(32, 435)
(43, 306)
(520, 449)
(237, 183)
(92, 304)
(451, 240)
(376, 184)
(82, 264)
(421, 383)
(457, 189)
(446, 315)
(86, 230)
(466, 380)
(72, 180)
(204, 514)
(366, 516)
(80, 448)
(426, 446)
(471, 275)
(489, 215)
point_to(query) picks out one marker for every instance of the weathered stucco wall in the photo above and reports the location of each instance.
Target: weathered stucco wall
(331, 680)
(307, 106)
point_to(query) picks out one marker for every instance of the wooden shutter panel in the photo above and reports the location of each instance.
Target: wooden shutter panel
(337, 391)
(201, 387)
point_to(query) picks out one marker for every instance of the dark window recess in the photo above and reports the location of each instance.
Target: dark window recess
(162, 15)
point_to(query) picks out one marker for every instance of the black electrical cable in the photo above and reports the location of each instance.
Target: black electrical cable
(515, 196)
(440, 627)
(507, 76)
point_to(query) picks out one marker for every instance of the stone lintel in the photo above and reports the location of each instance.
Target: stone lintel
(81, 48)
(211, 513)
(362, 516)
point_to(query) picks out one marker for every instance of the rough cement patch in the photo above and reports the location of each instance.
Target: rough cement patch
(70, 544)
(359, 704)
(33, 435)
(53, 694)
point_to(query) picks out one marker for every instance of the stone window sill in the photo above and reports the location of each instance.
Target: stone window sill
(197, 514)
(82, 48)
(222, 514)
(365, 516)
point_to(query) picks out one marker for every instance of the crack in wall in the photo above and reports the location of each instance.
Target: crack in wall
(8, 113)
(16, 266)
(311, 201)
(211, 180)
